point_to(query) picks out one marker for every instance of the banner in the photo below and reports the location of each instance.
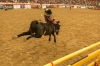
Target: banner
(1, 6)
(35, 5)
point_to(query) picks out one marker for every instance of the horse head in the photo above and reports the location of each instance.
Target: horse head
(57, 27)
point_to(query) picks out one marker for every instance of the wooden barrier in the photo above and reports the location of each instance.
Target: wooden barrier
(79, 63)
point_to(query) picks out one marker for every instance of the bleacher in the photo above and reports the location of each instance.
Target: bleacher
(17, 4)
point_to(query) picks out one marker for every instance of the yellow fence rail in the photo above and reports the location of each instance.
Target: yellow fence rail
(88, 58)
(96, 62)
(81, 62)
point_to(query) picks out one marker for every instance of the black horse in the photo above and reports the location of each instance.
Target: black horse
(37, 29)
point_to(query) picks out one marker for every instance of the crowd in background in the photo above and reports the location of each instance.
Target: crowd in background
(73, 2)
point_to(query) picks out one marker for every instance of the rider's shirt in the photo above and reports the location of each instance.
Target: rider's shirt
(48, 18)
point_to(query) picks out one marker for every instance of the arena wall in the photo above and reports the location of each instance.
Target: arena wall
(31, 5)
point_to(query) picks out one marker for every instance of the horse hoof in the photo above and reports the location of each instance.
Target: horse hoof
(55, 41)
(15, 37)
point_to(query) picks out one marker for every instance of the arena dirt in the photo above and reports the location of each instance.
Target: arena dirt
(79, 28)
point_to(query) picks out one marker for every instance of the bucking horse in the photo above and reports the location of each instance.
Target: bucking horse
(39, 28)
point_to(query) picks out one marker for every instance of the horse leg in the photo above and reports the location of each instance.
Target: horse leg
(28, 37)
(50, 37)
(32, 35)
(24, 33)
(54, 36)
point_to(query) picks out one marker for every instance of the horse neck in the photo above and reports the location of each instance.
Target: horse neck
(48, 23)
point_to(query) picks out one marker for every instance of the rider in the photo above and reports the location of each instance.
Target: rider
(48, 17)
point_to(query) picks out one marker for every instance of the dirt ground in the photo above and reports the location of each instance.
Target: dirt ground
(79, 28)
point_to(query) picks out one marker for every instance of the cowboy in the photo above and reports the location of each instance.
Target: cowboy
(48, 16)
